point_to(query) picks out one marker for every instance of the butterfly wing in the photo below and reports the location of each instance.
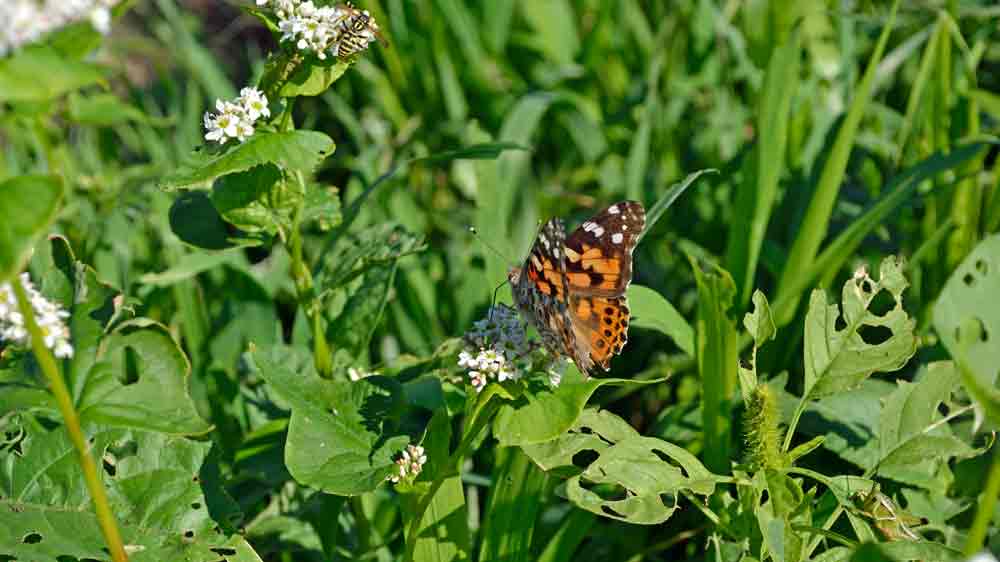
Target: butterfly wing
(598, 261)
(540, 289)
(599, 253)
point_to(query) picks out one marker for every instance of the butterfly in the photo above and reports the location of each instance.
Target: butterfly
(572, 288)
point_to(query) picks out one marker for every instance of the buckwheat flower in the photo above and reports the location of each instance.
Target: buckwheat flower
(254, 103)
(235, 119)
(477, 380)
(498, 348)
(49, 317)
(410, 463)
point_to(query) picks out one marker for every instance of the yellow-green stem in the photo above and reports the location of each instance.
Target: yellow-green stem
(984, 513)
(105, 518)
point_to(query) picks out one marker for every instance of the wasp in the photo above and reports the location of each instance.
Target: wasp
(357, 30)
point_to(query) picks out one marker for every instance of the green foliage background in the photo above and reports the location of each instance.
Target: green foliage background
(844, 225)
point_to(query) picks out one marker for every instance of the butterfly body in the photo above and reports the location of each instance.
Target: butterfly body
(572, 288)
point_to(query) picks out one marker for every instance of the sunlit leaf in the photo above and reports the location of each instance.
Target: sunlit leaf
(27, 204)
(837, 358)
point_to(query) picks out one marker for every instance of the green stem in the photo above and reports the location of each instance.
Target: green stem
(984, 513)
(105, 518)
(801, 407)
(481, 416)
(306, 296)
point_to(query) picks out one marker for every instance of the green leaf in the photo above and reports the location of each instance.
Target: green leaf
(905, 550)
(107, 109)
(353, 328)
(140, 381)
(910, 412)
(40, 73)
(785, 499)
(554, 29)
(164, 490)
(292, 151)
(760, 323)
(718, 361)
(480, 151)
(196, 221)
(257, 200)
(651, 311)
(356, 253)
(28, 205)
(650, 473)
(322, 205)
(595, 430)
(967, 316)
(90, 302)
(339, 434)
(514, 507)
(444, 531)
(307, 78)
(839, 359)
(542, 413)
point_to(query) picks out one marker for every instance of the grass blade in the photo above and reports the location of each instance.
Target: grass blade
(513, 507)
(717, 345)
(755, 200)
(817, 217)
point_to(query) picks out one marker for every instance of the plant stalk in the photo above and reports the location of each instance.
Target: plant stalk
(480, 418)
(105, 518)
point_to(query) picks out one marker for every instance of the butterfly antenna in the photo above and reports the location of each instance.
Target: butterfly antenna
(483, 241)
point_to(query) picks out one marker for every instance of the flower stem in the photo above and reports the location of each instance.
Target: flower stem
(480, 418)
(105, 518)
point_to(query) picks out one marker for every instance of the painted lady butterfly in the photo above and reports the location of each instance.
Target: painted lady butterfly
(572, 289)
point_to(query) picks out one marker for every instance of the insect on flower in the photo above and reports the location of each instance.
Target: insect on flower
(357, 30)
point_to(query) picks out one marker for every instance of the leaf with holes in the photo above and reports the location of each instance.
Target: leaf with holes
(164, 491)
(967, 318)
(140, 380)
(594, 431)
(912, 439)
(838, 358)
(638, 480)
(341, 435)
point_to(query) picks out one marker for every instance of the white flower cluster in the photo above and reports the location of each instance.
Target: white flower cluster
(235, 119)
(500, 349)
(26, 21)
(48, 315)
(339, 30)
(410, 462)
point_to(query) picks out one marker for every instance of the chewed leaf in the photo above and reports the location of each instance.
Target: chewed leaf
(838, 358)
(165, 491)
(638, 480)
(967, 318)
(593, 432)
(759, 323)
